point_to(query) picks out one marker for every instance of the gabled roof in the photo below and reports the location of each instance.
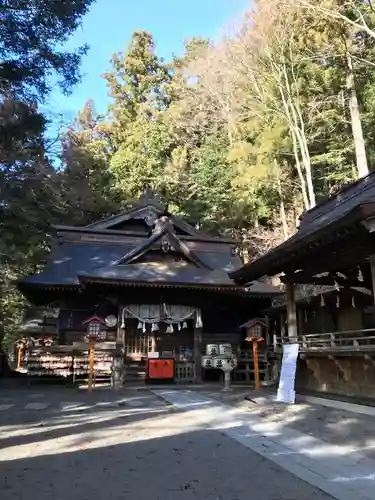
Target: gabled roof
(94, 319)
(187, 271)
(160, 259)
(349, 207)
(255, 321)
(168, 252)
(156, 273)
(148, 208)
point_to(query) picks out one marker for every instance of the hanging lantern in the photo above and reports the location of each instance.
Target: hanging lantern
(337, 302)
(48, 341)
(353, 301)
(322, 301)
(95, 328)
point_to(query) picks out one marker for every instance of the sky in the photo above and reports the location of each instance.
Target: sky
(108, 27)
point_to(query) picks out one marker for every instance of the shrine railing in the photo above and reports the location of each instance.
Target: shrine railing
(351, 340)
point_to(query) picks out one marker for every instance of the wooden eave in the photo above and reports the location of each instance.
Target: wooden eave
(305, 247)
(139, 234)
(312, 301)
(128, 283)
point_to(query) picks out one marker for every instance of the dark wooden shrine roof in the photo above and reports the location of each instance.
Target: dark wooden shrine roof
(110, 251)
(337, 215)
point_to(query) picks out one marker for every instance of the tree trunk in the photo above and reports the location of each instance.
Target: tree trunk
(5, 370)
(305, 198)
(281, 203)
(359, 142)
(296, 127)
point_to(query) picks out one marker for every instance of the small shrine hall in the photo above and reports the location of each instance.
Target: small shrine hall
(155, 287)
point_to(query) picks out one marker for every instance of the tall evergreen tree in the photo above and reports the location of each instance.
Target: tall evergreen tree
(31, 36)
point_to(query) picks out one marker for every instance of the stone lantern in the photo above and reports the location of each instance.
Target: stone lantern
(221, 357)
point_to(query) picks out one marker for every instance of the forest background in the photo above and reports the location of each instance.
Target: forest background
(239, 136)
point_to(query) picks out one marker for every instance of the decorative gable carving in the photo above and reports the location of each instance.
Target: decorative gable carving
(148, 209)
(163, 237)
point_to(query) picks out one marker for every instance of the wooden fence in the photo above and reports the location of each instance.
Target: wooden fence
(351, 340)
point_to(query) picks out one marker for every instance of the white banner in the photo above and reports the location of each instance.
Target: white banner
(286, 392)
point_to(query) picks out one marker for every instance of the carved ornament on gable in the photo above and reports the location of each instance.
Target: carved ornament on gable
(149, 216)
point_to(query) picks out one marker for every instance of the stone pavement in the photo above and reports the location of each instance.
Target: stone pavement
(351, 431)
(340, 470)
(134, 446)
(38, 401)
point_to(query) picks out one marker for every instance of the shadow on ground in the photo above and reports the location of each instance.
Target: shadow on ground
(156, 454)
(352, 431)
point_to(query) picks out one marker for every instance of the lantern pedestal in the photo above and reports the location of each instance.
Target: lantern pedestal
(117, 366)
(19, 355)
(255, 341)
(91, 363)
(96, 329)
(225, 361)
(227, 380)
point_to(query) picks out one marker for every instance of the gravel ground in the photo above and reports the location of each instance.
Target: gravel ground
(133, 446)
(334, 426)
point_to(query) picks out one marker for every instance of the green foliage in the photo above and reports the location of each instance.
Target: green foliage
(140, 160)
(137, 83)
(30, 34)
(87, 183)
(33, 194)
(213, 132)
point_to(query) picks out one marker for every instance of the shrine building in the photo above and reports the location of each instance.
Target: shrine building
(150, 284)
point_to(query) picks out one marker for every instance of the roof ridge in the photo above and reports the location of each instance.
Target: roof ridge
(335, 197)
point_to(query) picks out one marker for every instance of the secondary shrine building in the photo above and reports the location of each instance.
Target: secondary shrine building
(328, 268)
(155, 285)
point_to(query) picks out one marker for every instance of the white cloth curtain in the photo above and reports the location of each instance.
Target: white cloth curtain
(154, 314)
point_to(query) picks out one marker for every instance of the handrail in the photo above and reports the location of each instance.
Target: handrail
(344, 332)
(344, 340)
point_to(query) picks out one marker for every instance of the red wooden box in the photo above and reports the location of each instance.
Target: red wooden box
(160, 369)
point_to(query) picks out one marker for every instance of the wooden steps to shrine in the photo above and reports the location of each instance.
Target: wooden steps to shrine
(135, 371)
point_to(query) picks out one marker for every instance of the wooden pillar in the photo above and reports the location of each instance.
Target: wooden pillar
(198, 354)
(291, 310)
(91, 363)
(300, 320)
(256, 365)
(282, 320)
(153, 342)
(19, 356)
(119, 335)
(118, 355)
(372, 266)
